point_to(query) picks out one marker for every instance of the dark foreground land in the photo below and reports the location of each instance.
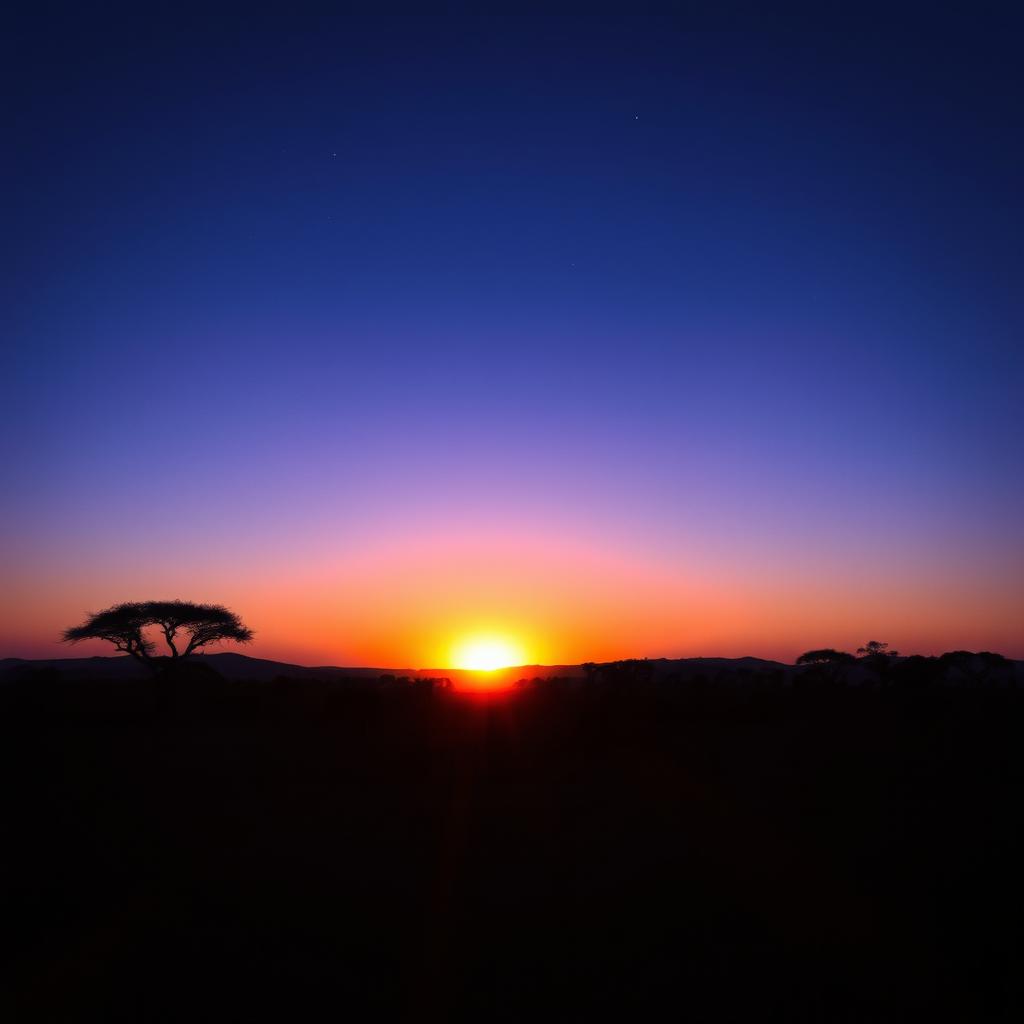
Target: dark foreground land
(302, 851)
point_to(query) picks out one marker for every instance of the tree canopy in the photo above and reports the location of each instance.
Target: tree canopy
(875, 649)
(186, 627)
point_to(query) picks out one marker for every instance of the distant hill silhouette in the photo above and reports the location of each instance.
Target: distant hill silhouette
(227, 664)
(239, 666)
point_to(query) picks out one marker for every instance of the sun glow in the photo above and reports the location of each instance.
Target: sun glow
(487, 653)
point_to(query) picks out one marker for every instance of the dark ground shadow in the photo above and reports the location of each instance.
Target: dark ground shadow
(305, 852)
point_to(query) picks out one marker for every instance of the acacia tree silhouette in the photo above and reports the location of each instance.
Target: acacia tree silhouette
(123, 625)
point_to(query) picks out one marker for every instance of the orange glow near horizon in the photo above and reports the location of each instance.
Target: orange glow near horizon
(487, 653)
(422, 600)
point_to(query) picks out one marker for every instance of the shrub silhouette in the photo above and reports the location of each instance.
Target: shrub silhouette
(825, 656)
(123, 625)
(979, 669)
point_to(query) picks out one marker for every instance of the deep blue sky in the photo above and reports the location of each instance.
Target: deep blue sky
(743, 296)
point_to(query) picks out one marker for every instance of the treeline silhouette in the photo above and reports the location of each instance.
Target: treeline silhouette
(834, 841)
(876, 668)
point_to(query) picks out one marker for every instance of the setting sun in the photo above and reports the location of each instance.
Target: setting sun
(486, 653)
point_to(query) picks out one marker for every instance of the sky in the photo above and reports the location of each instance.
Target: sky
(623, 337)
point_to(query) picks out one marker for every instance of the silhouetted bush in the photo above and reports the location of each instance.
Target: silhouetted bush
(826, 656)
